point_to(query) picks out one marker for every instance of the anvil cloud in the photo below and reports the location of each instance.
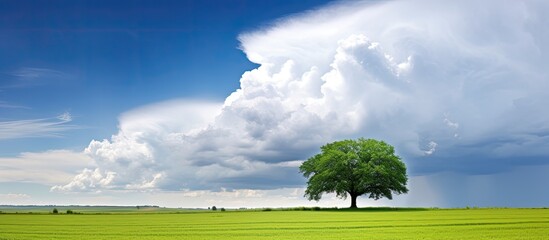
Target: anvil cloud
(455, 86)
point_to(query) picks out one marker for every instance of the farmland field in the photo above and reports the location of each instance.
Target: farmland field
(326, 224)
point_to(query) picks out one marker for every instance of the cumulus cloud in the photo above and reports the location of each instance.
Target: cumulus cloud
(410, 73)
(87, 180)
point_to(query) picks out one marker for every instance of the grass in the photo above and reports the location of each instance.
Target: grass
(279, 224)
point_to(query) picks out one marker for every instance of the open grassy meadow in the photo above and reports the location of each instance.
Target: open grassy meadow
(325, 224)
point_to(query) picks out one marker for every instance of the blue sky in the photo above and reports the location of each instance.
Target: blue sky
(96, 59)
(199, 103)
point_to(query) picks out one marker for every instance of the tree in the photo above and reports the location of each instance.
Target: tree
(354, 168)
(55, 211)
(214, 208)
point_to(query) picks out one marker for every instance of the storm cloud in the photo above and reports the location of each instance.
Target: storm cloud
(455, 86)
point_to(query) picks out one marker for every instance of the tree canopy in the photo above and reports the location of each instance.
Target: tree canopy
(354, 168)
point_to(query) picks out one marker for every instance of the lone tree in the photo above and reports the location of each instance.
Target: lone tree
(354, 168)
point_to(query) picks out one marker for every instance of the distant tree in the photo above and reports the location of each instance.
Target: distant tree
(55, 211)
(354, 168)
(214, 208)
(223, 209)
(70, 212)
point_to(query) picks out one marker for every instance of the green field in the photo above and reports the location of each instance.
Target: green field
(326, 224)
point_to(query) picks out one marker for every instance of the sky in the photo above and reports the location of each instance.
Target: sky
(201, 103)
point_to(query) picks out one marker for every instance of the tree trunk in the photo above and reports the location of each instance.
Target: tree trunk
(353, 200)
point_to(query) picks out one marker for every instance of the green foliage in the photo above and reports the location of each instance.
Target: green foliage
(354, 168)
(55, 211)
(300, 209)
(214, 208)
(531, 224)
(223, 209)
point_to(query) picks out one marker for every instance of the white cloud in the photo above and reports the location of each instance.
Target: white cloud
(32, 128)
(432, 146)
(31, 72)
(49, 168)
(389, 70)
(65, 117)
(32, 76)
(451, 124)
(151, 141)
(86, 180)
